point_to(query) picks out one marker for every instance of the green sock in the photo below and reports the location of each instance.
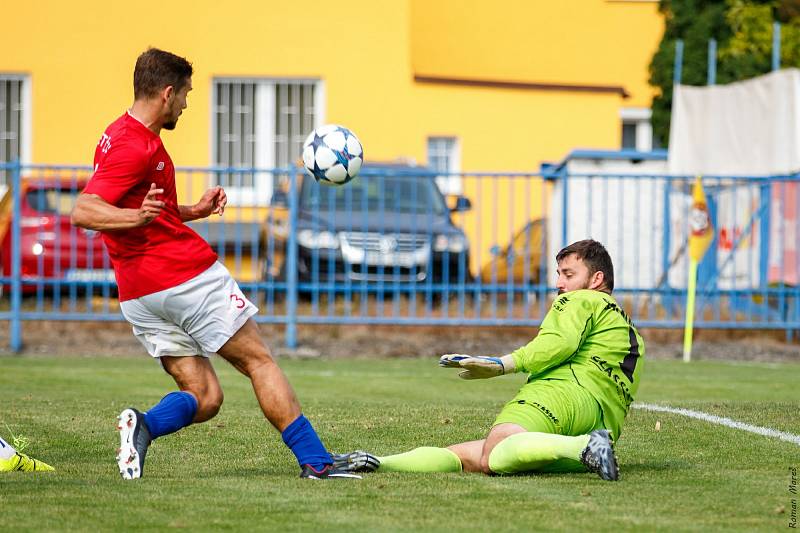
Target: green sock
(425, 459)
(532, 451)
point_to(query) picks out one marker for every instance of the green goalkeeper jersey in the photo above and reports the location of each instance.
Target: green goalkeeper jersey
(588, 338)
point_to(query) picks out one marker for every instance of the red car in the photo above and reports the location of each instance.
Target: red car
(53, 250)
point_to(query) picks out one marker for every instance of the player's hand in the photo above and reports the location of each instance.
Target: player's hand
(212, 202)
(151, 205)
(478, 367)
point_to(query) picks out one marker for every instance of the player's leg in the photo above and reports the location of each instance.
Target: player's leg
(12, 460)
(422, 459)
(558, 417)
(212, 310)
(198, 399)
(499, 433)
(534, 451)
(248, 353)
(465, 456)
(546, 452)
(469, 454)
(199, 395)
(197, 383)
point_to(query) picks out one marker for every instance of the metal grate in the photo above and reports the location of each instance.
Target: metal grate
(386, 243)
(234, 119)
(11, 122)
(260, 124)
(294, 110)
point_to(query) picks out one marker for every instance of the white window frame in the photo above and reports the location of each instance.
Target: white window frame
(639, 117)
(449, 184)
(24, 127)
(260, 193)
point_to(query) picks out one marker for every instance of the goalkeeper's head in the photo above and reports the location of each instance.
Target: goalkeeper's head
(585, 265)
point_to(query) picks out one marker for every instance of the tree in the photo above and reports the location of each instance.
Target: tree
(743, 30)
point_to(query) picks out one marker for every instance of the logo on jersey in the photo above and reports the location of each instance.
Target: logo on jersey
(160, 165)
(614, 307)
(622, 388)
(105, 143)
(560, 304)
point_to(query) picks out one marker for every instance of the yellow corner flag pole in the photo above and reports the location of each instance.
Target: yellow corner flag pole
(701, 233)
(688, 328)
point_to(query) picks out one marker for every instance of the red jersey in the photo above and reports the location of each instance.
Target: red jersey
(165, 252)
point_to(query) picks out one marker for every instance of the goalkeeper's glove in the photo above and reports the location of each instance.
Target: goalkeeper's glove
(479, 367)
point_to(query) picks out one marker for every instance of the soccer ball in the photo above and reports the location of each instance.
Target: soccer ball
(332, 154)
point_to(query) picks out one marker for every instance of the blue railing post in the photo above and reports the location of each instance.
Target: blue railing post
(291, 263)
(666, 242)
(677, 73)
(16, 259)
(776, 45)
(712, 61)
(564, 205)
(765, 193)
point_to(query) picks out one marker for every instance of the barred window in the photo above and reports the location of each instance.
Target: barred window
(14, 122)
(637, 130)
(444, 158)
(261, 124)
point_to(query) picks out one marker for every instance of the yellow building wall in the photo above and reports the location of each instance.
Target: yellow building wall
(580, 43)
(600, 42)
(511, 131)
(80, 56)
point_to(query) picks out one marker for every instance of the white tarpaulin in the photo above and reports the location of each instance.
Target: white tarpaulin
(749, 128)
(641, 216)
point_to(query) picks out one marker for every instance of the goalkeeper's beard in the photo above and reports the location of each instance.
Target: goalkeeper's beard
(585, 286)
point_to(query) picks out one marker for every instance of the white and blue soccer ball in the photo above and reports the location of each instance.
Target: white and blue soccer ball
(332, 154)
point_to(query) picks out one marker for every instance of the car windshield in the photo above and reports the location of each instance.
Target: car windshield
(396, 194)
(52, 201)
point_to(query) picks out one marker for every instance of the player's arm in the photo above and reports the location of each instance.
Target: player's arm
(562, 332)
(212, 203)
(92, 212)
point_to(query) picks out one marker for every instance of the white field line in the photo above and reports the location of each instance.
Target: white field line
(714, 419)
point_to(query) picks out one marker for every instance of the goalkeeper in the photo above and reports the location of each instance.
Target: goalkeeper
(584, 369)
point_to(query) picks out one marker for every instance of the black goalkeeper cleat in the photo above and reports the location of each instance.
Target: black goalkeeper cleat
(598, 456)
(134, 440)
(327, 472)
(357, 461)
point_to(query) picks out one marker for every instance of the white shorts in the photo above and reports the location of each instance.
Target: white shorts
(195, 318)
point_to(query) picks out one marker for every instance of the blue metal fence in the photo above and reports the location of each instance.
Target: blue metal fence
(392, 248)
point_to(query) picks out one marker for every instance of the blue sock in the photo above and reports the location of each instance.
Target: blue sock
(301, 438)
(175, 411)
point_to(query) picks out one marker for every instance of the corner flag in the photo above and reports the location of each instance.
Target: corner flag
(701, 233)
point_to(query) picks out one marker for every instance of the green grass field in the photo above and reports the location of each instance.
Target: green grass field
(234, 473)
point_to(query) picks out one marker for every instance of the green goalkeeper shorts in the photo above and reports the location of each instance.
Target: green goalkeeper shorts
(553, 406)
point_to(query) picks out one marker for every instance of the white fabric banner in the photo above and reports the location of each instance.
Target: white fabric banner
(747, 128)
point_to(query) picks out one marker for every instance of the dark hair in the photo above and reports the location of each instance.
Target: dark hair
(595, 256)
(156, 69)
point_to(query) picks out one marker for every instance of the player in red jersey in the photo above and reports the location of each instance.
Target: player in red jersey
(182, 303)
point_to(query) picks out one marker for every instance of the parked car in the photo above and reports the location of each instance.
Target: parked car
(52, 250)
(390, 224)
(521, 261)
